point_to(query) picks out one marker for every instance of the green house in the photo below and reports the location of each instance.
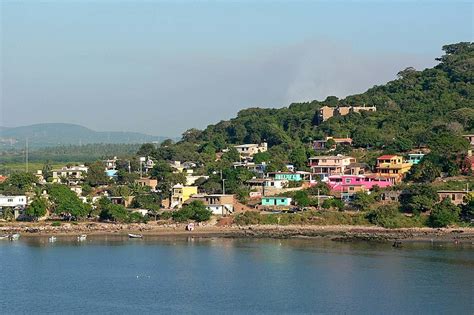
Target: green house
(289, 176)
(415, 158)
(276, 201)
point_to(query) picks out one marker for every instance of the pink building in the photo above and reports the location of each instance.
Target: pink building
(341, 183)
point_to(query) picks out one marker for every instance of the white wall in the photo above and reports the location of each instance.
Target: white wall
(13, 201)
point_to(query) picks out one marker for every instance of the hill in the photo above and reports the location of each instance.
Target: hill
(56, 134)
(431, 108)
(414, 110)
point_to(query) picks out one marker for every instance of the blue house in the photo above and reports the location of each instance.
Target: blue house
(415, 158)
(276, 201)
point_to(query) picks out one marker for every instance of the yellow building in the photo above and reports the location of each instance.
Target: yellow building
(392, 166)
(181, 194)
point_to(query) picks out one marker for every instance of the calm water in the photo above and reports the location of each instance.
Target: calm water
(185, 275)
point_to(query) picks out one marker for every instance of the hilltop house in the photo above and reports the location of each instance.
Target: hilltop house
(470, 138)
(322, 144)
(147, 182)
(291, 176)
(267, 183)
(247, 151)
(415, 158)
(392, 166)
(73, 175)
(111, 164)
(327, 112)
(258, 169)
(324, 166)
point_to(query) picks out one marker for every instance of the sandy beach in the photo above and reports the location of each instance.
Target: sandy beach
(335, 232)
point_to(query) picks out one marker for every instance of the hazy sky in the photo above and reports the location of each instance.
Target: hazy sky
(163, 67)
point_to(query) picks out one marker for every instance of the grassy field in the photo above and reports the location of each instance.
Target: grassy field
(6, 168)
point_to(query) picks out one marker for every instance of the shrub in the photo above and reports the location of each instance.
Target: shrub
(196, 211)
(166, 215)
(389, 216)
(333, 203)
(56, 223)
(444, 214)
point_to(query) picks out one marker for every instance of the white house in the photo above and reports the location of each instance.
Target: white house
(17, 203)
(13, 201)
(246, 151)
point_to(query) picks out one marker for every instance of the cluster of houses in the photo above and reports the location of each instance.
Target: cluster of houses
(344, 175)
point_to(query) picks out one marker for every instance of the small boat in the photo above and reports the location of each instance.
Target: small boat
(190, 227)
(82, 237)
(4, 237)
(52, 239)
(130, 235)
(14, 237)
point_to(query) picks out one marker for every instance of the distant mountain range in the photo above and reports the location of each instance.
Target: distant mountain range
(54, 134)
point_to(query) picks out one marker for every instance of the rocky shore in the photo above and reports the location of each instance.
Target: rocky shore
(336, 233)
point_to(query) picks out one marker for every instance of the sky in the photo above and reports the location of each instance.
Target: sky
(162, 67)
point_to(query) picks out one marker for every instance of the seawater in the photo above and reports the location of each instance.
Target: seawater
(114, 274)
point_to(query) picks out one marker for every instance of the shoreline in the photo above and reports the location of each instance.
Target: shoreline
(343, 233)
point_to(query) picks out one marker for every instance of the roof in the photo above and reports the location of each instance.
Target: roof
(386, 157)
(331, 157)
(454, 191)
(246, 145)
(219, 195)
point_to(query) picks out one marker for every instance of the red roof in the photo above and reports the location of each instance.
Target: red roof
(386, 157)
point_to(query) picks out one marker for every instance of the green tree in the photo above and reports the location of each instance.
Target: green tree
(467, 212)
(386, 216)
(419, 198)
(147, 149)
(362, 200)
(444, 213)
(65, 202)
(47, 170)
(96, 175)
(112, 212)
(196, 210)
(18, 183)
(301, 198)
(37, 208)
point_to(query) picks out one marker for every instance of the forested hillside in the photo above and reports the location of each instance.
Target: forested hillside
(419, 108)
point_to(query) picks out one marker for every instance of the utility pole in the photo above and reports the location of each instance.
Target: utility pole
(26, 158)
(223, 186)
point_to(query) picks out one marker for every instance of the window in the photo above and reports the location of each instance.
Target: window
(283, 200)
(10, 200)
(351, 188)
(348, 180)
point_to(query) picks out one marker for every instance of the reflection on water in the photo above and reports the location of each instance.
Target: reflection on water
(112, 273)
